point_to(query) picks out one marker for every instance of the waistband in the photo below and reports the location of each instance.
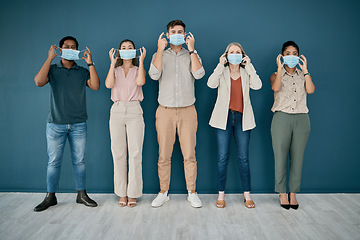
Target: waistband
(119, 103)
(191, 106)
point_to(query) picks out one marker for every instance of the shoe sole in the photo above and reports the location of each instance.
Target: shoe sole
(194, 205)
(53, 204)
(156, 206)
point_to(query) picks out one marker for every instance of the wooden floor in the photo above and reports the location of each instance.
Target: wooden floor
(320, 216)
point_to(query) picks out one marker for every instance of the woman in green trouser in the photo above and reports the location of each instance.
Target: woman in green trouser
(290, 126)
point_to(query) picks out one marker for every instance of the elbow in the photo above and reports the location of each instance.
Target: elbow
(311, 91)
(38, 83)
(257, 87)
(211, 85)
(276, 89)
(154, 76)
(140, 84)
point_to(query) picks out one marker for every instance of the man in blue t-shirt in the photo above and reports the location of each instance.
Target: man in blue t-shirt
(67, 116)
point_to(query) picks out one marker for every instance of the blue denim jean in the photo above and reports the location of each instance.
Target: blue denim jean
(242, 138)
(56, 135)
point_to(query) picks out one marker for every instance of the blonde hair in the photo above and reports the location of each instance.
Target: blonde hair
(241, 49)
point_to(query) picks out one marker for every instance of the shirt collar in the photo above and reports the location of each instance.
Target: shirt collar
(181, 52)
(59, 65)
(283, 71)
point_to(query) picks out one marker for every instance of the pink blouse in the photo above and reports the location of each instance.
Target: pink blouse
(125, 88)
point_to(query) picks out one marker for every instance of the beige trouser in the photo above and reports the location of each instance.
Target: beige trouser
(182, 121)
(127, 134)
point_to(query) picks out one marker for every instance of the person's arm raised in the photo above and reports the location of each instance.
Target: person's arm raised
(41, 78)
(94, 81)
(162, 43)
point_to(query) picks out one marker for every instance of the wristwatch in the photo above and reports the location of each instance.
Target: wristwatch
(91, 64)
(193, 52)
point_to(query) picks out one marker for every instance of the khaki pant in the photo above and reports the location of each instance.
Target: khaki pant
(127, 135)
(169, 122)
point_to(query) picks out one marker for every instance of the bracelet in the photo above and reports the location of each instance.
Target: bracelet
(91, 64)
(307, 74)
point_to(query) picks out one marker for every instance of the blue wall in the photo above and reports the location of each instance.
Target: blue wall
(326, 31)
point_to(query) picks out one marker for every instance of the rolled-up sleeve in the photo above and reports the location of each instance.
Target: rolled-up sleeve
(154, 73)
(200, 72)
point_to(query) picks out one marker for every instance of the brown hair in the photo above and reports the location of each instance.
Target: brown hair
(173, 23)
(119, 62)
(242, 52)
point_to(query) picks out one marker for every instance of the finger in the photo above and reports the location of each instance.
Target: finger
(88, 49)
(191, 34)
(161, 35)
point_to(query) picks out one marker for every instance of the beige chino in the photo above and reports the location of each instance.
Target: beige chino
(127, 135)
(169, 122)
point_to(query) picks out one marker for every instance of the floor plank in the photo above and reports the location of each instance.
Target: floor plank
(320, 216)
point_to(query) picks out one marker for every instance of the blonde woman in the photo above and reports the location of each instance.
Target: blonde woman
(233, 115)
(125, 79)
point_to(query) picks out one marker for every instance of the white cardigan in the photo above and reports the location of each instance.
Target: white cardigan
(221, 79)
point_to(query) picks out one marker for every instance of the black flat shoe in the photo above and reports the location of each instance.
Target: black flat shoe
(50, 200)
(83, 198)
(293, 206)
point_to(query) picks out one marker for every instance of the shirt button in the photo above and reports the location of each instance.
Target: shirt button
(293, 83)
(294, 100)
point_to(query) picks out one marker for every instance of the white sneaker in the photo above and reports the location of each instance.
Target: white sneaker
(160, 199)
(194, 199)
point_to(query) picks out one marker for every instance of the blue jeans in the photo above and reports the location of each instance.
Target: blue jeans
(233, 128)
(56, 135)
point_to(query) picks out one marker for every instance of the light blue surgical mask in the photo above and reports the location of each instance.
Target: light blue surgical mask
(129, 54)
(177, 39)
(70, 54)
(291, 60)
(235, 59)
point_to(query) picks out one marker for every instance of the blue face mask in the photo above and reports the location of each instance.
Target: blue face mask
(177, 39)
(291, 61)
(127, 54)
(235, 59)
(70, 54)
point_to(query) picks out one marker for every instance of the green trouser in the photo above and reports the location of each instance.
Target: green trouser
(289, 133)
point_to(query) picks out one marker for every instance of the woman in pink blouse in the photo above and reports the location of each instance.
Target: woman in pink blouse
(125, 79)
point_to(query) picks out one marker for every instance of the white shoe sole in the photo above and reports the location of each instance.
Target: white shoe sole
(156, 206)
(194, 206)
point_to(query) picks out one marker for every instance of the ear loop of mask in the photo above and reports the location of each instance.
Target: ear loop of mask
(57, 51)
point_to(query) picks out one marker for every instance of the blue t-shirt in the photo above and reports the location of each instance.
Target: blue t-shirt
(67, 94)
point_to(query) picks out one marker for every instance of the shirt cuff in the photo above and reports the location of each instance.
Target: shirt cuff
(154, 73)
(199, 73)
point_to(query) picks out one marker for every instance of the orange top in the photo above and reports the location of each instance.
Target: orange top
(236, 95)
